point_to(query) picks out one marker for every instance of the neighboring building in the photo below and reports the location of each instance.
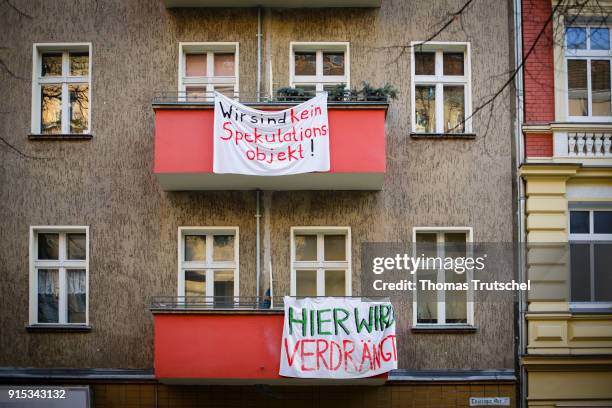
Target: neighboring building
(567, 173)
(115, 203)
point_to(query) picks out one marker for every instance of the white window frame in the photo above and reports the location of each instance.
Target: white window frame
(320, 265)
(439, 80)
(38, 80)
(61, 264)
(589, 238)
(210, 80)
(319, 80)
(588, 55)
(441, 308)
(208, 265)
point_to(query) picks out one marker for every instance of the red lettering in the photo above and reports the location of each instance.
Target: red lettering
(365, 355)
(304, 115)
(291, 153)
(331, 356)
(320, 353)
(348, 354)
(304, 354)
(227, 129)
(294, 119)
(291, 356)
(250, 155)
(257, 136)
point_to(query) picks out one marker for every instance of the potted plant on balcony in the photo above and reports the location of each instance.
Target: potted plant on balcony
(288, 94)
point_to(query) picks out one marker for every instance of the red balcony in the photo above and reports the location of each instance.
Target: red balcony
(184, 149)
(229, 343)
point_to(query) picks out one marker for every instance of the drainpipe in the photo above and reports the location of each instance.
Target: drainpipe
(259, 56)
(520, 190)
(257, 239)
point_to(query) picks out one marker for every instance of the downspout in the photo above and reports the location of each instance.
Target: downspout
(520, 191)
(259, 34)
(257, 249)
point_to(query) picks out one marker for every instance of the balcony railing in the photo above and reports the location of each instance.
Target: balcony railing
(206, 98)
(589, 145)
(230, 303)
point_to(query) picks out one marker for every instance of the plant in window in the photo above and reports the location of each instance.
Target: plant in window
(293, 94)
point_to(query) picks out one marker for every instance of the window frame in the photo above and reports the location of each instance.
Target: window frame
(61, 264)
(64, 80)
(441, 294)
(439, 80)
(588, 55)
(320, 265)
(319, 80)
(210, 80)
(591, 238)
(208, 266)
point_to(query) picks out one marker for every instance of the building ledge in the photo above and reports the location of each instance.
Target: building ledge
(58, 328)
(451, 375)
(27, 373)
(443, 135)
(58, 137)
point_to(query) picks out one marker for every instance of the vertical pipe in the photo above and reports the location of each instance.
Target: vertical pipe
(259, 54)
(520, 205)
(257, 250)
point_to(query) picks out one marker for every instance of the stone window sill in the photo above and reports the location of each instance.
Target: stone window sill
(442, 328)
(443, 135)
(58, 328)
(63, 136)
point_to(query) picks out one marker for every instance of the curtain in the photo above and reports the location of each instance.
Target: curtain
(48, 296)
(77, 295)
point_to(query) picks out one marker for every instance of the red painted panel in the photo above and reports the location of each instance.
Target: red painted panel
(539, 67)
(184, 140)
(539, 145)
(218, 346)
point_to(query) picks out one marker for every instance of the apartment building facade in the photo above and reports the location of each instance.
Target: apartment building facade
(112, 216)
(567, 174)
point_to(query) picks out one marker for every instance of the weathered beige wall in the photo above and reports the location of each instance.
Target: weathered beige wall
(108, 183)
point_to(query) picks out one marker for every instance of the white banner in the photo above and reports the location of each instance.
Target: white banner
(271, 143)
(337, 338)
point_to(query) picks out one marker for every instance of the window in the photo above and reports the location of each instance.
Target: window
(208, 263)
(61, 89)
(588, 56)
(317, 67)
(441, 88)
(442, 307)
(591, 255)
(59, 259)
(208, 67)
(320, 261)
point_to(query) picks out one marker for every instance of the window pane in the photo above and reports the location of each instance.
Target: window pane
(580, 272)
(335, 283)
(333, 63)
(195, 247)
(196, 93)
(576, 38)
(424, 63)
(195, 65)
(48, 296)
(227, 90)
(51, 109)
(602, 222)
(224, 287)
(579, 222)
(77, 295)
(48, 246)
(426, 244)
(600, 39)
(195, 283)
(223, 248)
(455, 244)
(305, 63)
(602, 260)
(309, 90)
(425, 108)
(79, 63)
(427, 300)
(453, 63)
(455, 300)
(224, 64)
(577, 87)
(76, 246)
(600, 86)
(334, 247)
(454, 109)
(305, 247)
(51, 65)
(79, 108)
(305, 283)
